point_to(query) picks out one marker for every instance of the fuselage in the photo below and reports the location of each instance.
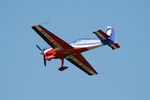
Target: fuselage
(79, 46)
(88, 43)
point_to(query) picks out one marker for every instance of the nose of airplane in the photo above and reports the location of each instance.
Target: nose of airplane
(49, 52)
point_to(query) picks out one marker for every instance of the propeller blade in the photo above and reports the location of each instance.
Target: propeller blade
(42, 54)
(39, 48)
(44, 60)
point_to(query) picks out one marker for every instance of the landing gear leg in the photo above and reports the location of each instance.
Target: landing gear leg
(62, 68)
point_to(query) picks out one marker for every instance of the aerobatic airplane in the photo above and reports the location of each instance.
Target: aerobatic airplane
(72, 51)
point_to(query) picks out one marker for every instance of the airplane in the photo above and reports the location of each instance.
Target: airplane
(59, 49)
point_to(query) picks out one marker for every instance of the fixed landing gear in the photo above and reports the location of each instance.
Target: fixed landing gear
(62, 68)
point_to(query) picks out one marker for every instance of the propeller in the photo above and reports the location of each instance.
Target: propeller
(39, 48)
(42, 52)
(44, 60)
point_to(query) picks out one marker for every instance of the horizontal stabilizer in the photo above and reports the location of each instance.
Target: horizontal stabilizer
(115, 46)
(101, 35)
(107, 39)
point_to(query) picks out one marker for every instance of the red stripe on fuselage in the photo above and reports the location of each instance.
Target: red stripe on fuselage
(64, 53)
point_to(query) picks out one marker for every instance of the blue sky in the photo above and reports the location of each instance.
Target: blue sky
(123, 73)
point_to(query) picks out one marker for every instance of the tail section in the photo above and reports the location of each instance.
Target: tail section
(111, 33)
(108, 38)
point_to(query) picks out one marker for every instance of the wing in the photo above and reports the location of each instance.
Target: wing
(79, 61)
(54, 41)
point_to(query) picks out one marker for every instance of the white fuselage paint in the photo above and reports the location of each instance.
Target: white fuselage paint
(89, 43)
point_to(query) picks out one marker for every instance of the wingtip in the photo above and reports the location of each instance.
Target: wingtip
(95, 73)
(35, 25)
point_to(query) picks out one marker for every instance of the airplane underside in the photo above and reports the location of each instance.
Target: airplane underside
(62, 54)
(72, 51)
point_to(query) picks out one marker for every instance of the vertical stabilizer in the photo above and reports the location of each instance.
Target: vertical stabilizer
(111, 33)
